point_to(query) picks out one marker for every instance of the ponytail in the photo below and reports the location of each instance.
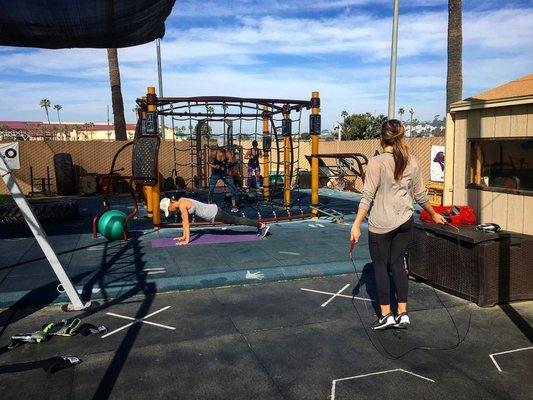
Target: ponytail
(393, 134)
(400, 153)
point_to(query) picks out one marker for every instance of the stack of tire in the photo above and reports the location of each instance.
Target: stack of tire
(46, 211)
(65, 175)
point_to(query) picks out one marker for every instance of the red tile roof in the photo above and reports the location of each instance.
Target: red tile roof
(23, 125)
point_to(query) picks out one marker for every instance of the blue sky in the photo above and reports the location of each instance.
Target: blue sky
(283, 49)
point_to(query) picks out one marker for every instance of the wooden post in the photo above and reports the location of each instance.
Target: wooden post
(449, 153)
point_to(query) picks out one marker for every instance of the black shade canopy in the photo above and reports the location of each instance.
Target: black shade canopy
(56, 24)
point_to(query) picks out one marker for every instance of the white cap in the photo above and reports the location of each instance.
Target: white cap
(164, 204)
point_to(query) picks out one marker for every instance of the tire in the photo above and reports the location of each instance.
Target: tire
(180, 183)
(168, 184)
(65, 174)
(89, 184)
(47, 212)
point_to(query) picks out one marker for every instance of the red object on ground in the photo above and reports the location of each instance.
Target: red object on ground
(465, 216)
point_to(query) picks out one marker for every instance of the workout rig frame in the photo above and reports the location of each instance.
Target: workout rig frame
(145, 177)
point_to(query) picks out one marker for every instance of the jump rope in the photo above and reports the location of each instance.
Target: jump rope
(386, 353)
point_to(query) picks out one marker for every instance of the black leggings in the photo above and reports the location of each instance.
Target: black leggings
(229, 219)
(387, 251)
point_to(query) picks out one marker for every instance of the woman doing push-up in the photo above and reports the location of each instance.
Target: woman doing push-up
(208, 212)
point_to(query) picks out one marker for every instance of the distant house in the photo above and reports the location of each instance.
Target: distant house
(70, 131)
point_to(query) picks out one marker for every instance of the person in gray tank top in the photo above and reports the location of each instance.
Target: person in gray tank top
(207, 212)
(392, 185)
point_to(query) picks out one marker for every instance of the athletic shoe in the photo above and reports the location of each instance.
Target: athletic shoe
(402, 321)
(234, 210)
(263, 230)
(384, 322)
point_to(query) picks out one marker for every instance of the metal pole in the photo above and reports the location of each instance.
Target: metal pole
(287, 132)
(266, 154)
(411, 111)
(160, 78)
(108, 130)
(151, 99)
(40, 236)
(393, 59)
(314, 130)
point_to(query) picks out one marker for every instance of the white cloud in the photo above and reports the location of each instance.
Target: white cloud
(345, 57)
(230, 8)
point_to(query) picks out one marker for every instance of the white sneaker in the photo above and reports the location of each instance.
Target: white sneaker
(384, 322)
(263, 230)
(402, 321)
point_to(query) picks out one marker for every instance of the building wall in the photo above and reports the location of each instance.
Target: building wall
(510, 211)
(96, 156)
(100, 135)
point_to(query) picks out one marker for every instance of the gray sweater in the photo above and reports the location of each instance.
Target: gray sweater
(390, 204)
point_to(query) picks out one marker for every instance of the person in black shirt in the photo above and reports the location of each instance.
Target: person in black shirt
(233, 171)
(254, 169)
(219, 167)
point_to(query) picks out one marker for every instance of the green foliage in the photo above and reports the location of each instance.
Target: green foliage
(305, 136)
(181, 131)
(206, 130)
(361, 126)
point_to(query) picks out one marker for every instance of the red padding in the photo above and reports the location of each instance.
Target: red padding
(466, 215)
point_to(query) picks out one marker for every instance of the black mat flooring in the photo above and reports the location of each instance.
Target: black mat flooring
(272, 341)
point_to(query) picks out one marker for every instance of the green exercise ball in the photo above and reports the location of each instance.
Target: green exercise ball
(111, 224)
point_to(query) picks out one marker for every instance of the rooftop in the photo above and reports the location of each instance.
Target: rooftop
(24, 125)
(517, 88)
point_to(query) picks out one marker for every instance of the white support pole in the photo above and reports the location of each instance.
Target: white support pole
(393, 60)
(40, 235)
(160, 81)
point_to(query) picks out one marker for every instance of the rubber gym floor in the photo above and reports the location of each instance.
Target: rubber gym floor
(268, 319)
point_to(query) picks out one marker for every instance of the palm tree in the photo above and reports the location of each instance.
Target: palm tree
(210, 110)
(86, 126)
(136, 110)
(58, 107)
(454, 79)
(401, 112)
(225, 108)
(116, 95)
(45, 103)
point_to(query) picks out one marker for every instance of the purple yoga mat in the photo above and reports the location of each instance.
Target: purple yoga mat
(208, 238)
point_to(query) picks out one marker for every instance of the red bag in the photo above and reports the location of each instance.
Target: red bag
(455, 215)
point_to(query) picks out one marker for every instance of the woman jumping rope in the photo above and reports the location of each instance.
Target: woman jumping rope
(393, 183)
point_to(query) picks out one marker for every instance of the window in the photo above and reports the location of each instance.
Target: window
(502, 165)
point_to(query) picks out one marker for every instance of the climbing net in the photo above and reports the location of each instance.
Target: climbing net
(230, 123)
